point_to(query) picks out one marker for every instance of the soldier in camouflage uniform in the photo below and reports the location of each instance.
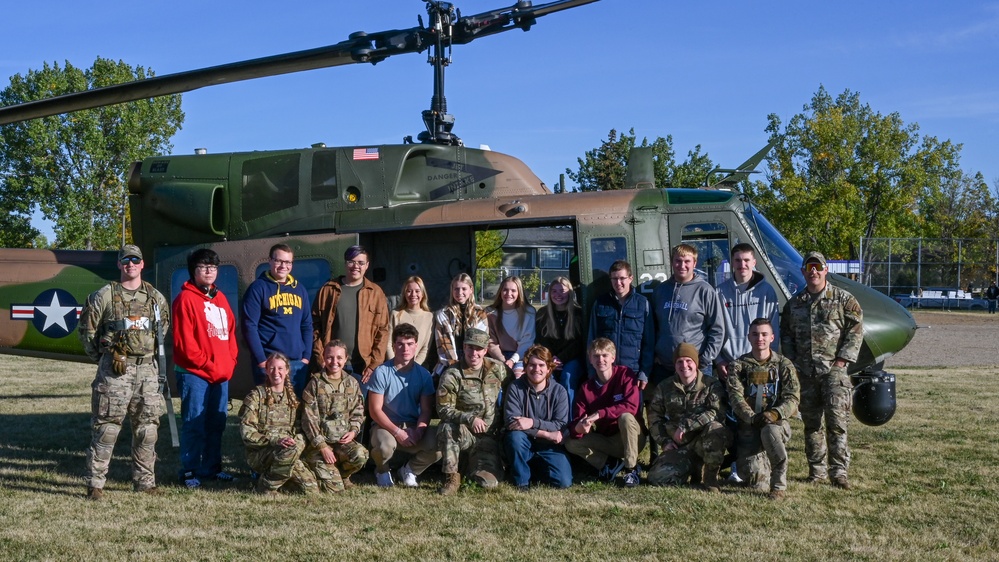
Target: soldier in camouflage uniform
(763, 392)
(467, 405)
(685, 418)
(117, 329)
(821, 330)
(332, 414)
(269, 427)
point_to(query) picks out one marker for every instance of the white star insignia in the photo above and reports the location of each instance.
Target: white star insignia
(55, 313)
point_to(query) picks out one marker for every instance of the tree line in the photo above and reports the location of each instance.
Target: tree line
(839, 166)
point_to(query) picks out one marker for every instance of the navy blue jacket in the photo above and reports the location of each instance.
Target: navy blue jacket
(629, 326)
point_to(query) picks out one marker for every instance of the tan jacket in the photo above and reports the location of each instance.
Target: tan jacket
(372, 320)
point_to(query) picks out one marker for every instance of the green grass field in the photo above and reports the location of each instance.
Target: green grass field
(925, 487)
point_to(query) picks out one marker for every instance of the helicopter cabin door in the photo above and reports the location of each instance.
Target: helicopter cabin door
(651, 230)
(318, 257)
(708, 233)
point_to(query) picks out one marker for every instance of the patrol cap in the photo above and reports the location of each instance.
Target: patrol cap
(477, 338)
(686, 350)
(813, 256)
(128, 251)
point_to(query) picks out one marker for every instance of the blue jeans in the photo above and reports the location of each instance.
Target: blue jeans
(204, 408)
(521, 449)
(571, 376)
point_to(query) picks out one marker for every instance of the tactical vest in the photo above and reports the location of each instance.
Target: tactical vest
(132, 328)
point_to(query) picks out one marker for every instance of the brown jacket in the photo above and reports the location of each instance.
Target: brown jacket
(372, 320)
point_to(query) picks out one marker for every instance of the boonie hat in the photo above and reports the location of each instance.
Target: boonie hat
(128, 251)
(813, 256)
(476, 337)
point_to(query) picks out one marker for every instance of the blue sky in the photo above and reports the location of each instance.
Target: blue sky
(708, 73)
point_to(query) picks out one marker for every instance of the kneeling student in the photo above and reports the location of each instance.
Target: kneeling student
(763, 391)
(685, 418)
(605, 430)
(535, 412)
(467, 405)
(332, 415)
(269, 427)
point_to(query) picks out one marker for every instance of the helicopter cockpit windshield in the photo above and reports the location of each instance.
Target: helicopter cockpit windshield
(784, 257)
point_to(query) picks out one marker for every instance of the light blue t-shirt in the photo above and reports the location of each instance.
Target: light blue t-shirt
(402, 390)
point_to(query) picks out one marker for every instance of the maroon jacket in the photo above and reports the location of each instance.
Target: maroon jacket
(619, 396)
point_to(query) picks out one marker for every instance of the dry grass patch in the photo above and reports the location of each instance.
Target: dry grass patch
(924, 489)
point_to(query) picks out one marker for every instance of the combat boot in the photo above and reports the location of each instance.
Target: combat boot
(841, 482)
(709, 478)
(451, 485)
(776, 495)
(96, 494)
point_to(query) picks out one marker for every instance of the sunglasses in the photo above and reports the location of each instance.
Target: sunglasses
(813, 267)
(130, 260)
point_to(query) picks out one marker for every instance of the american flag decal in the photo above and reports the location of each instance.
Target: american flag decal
(365, 154)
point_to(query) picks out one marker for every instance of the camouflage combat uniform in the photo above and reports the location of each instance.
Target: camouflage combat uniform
(753, 388)
(814, 331)
(463, 395)
(265, 419)
(116, 322)
(697, 409)
(330, 409)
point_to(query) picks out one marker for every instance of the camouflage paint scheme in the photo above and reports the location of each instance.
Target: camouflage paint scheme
(416, 207)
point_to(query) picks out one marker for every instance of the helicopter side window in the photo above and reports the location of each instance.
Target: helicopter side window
(269, 184)
(711, 241)
(604, 252)
(324, 175)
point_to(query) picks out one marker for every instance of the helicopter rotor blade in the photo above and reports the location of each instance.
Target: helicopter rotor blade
(360, 47)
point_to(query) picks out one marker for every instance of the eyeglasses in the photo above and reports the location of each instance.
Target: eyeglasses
(130, 260)
(356, 263)
(621, 279)
(207, 268)
(813, 267)
(282, 262)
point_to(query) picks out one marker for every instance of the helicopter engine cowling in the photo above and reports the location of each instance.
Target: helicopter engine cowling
(873, 397)
(196, 205)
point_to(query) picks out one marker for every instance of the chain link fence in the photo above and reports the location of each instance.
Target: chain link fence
(904, 266)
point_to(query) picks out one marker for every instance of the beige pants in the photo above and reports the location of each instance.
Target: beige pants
(384, 446)
(596, 448)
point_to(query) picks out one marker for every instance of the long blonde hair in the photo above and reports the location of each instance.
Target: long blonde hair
(464, 310)
(572, 310)
(289, 390)
(403, 303)
(520, 305)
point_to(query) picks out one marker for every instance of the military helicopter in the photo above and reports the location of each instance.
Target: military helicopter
(417, 206)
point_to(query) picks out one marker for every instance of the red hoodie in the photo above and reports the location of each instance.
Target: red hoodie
(204, 337)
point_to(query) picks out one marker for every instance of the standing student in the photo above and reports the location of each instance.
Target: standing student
(204, 356)
(452, 321)
(413, 309)
(511, 326)
(276, 318)
(353, 310)
(559, 327)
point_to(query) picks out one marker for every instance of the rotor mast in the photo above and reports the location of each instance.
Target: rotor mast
(436, 119)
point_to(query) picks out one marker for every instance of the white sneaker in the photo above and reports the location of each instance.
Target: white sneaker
(734, 476)
(384, 479)
(407, 476)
